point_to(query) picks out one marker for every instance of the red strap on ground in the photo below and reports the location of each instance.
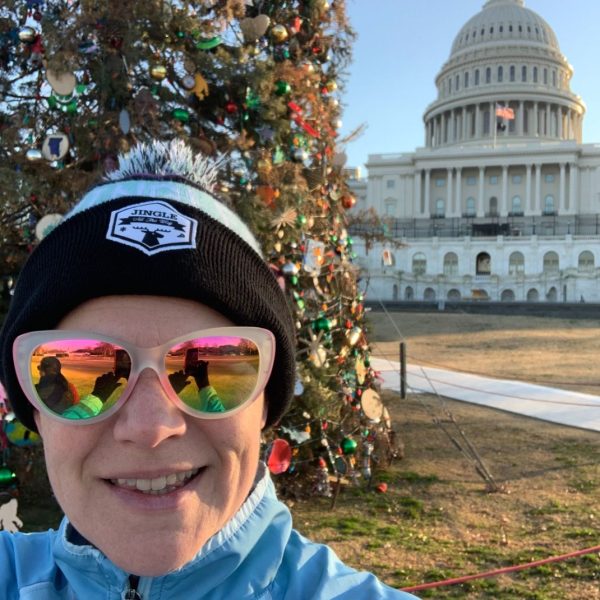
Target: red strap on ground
(536, 563)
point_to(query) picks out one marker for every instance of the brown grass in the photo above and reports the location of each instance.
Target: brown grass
(437, 520)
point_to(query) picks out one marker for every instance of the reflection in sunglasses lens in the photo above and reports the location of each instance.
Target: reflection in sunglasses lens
(213, 374)
(79, 379)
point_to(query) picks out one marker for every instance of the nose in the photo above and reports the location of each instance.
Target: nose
(148, 417)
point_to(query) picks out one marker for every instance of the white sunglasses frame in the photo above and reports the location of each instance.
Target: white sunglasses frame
(141, 359)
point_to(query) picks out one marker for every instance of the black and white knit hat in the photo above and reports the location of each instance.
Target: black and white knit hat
(152, 228)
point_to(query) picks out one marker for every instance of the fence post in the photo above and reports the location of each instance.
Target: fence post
(403, 370)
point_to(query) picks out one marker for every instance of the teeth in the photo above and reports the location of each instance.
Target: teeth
(158, 485)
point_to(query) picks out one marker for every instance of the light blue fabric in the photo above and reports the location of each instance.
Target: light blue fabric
(257, 555)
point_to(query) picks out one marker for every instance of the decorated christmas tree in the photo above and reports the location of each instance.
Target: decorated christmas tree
(254, 84)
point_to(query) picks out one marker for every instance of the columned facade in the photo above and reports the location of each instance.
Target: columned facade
(503, 181)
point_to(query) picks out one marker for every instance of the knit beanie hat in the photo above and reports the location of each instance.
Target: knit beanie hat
(153, 228)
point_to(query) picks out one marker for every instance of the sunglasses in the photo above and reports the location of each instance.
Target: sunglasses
(82, 377)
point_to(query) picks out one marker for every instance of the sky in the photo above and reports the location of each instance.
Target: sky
(402, 45)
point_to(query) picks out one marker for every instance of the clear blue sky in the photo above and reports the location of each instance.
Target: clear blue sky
(402, 44)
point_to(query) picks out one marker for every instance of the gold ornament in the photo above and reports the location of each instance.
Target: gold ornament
(279, 34)
(158, 72)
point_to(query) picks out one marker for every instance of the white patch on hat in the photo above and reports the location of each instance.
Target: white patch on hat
(152, 227)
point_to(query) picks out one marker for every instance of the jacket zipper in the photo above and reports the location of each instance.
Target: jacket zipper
(132, 592)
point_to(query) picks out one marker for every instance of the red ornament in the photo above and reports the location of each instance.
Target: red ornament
(295, 24)
(231, 107)
(382, 488)
(348, 201)
(280, 457)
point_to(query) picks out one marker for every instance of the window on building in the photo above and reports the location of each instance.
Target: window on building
(586, 261)
(450, 85)
(523, 73)
(493, 179)
(512, 72)
(429, 295)
(440, 207)
(471, 180)
(501, 28)
(409, 293)
(535, 74)
(545, 76)
(507, 296)
(493, 206)
(467, 79)
(454, 295)
(552, 295)
(476, 76)
(457, 82)
(549, 178)
(440, 182)
(483, 264)
(419, 264)
(390, 184)
(551, 264)
(517, 206)
(390, 207)
(516, 179)
(554, 78)
(470, 207)
(500, 74)
(516, 264)
(488, 75)
(450, 264)
(549, 205)
(533, 295)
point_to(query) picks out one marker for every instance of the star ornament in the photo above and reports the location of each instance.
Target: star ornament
(286, 219)
(266, 133)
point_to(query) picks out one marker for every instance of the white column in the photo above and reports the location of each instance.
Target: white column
(458, 197)
(504, 207)
(464, 123)
(418, 210)
(477, 122)
(547, 128)
(574, 187)
(427, 207)
(528, 207)
(562, 204)
(521, 119)
(480, 208)
(559, 117)
(538, 188)
(449, 186)
(493, 122)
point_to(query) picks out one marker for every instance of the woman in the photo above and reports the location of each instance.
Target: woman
(163, 497)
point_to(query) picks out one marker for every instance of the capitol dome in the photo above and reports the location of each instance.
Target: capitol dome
(505, 21)
(504, 57)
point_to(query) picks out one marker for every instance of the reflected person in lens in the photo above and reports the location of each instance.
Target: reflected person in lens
(164, 491)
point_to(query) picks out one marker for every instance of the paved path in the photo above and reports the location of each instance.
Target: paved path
(549, 404)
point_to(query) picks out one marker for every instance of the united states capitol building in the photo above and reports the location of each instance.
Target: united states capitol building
(505, 209)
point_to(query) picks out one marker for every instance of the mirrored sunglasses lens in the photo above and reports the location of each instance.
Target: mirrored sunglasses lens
(213, 374)
(79, 379)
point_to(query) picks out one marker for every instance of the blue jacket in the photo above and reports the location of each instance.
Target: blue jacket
(257, 555)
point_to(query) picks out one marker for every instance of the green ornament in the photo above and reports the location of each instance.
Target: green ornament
(300, 303)
(279, 156)
(6, 476)
(252, 100)
(208, 44)
(349, 446)
(181, 34)
(181, 114)
(71, 107)
(301, 220)
(282, 88)
(322, 324)
(52, 101)
(294, 280)
(80, 88)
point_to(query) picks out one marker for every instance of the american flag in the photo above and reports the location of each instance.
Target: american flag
(505, 112)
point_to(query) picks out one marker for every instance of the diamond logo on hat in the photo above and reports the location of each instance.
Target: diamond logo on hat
(152, 227)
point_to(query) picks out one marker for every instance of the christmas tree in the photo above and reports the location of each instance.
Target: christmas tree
(253, 83)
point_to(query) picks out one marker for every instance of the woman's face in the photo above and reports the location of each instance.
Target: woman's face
(96, 470)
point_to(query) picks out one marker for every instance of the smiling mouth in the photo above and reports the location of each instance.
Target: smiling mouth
(159, 485)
